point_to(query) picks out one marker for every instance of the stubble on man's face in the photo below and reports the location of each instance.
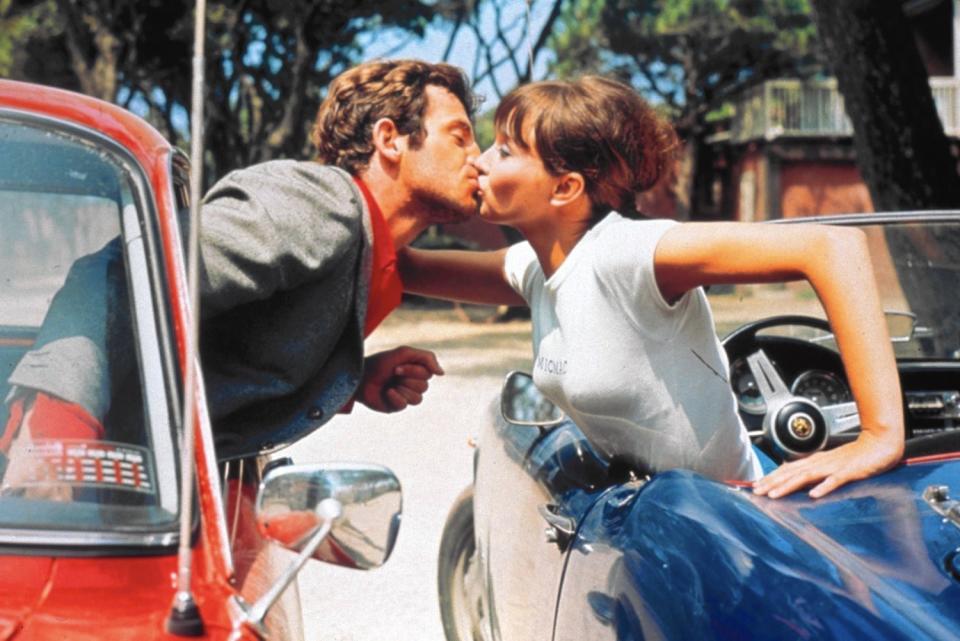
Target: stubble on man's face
(442, 179)
(440, 209)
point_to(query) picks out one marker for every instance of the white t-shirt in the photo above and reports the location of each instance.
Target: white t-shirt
(642, 379)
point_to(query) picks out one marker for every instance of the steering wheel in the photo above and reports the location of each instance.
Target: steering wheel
(795, 426)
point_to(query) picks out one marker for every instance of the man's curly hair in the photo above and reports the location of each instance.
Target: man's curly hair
(361, 96)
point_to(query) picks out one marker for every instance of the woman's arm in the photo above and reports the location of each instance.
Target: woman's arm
(836, 262)
(466, 276)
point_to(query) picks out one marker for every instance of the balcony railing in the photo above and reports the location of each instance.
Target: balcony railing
(815, 108)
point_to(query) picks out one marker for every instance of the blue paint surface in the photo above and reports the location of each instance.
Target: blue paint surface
(689, 558)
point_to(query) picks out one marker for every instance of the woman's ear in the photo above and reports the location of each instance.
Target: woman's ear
(387, 140)
(568, 188)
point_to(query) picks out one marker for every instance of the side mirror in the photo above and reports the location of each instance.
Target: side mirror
(900, 325)
(522, 403)
(362, 535)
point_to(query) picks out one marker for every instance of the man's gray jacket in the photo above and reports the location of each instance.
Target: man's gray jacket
(285, 271)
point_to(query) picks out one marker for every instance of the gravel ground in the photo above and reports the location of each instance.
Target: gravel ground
(427, 448)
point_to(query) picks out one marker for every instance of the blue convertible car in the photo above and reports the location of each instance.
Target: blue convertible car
(555, 542)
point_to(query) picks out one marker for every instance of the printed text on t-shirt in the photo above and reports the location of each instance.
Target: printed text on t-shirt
(550, 366)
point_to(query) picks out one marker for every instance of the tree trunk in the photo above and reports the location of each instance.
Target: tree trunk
(94, 51)
(902, 151)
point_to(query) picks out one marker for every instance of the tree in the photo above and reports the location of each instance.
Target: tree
(902, 150)
(268, 62)
(691, 56)
(502, 36)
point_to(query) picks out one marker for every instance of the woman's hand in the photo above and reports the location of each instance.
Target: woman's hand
(870, 454)
(396, 378)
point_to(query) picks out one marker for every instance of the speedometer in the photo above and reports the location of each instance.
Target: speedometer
(822, 387)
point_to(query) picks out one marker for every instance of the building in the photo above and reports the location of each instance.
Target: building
(788, 150)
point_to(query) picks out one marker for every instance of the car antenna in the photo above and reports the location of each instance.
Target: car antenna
(184, 619)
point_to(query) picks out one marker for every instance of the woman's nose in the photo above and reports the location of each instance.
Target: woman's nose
(482, 162)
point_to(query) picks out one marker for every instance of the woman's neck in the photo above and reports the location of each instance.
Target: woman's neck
(554, 240)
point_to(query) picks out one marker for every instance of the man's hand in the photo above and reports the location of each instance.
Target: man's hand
(866, 456)
(394, 379)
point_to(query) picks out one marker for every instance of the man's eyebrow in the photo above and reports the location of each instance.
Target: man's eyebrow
(462, 124)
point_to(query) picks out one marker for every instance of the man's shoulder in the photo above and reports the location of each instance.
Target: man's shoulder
(291, 186)
(296, 173)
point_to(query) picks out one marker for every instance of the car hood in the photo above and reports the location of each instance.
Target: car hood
(121, 598)
(872, 560)
(23, 582)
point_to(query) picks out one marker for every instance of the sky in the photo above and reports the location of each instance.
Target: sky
(396, 44)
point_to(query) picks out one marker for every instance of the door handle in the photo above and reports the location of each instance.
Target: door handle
(560, 527)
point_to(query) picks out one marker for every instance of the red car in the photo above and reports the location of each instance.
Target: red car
(89, 543)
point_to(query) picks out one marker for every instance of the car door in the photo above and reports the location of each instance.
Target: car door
(533, 484)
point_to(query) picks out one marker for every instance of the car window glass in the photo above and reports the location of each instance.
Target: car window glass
(66, 327)
(916, 266)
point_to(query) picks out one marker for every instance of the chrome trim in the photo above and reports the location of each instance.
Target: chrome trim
(909, 367)
(157, 407)
(235, 520)
(179, 160)
(938, 498)
(35, 538)
(876, 218)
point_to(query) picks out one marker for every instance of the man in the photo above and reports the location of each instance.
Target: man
(297, 267)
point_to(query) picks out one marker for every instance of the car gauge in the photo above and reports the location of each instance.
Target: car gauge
(822, 387)
(749, 398)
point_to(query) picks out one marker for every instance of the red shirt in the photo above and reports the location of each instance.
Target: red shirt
(386, 288)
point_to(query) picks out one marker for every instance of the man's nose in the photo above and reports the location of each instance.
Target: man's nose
(473, 153)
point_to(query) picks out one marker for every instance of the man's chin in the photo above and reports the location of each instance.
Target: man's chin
(451, 214)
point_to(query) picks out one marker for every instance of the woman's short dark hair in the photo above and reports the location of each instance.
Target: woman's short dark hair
(597, 127)
(393, 89)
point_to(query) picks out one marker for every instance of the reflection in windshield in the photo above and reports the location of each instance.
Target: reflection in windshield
(75, 451)
(917, 268)
(926, 259)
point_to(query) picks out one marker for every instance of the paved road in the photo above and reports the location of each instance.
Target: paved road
(427, 448)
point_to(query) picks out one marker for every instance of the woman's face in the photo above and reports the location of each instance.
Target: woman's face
(515, 187)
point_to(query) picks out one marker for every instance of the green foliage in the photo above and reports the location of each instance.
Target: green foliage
(579, 41)
(483, 128)
(22, 23)
(268, 62)
(690, 55)
(695, 54)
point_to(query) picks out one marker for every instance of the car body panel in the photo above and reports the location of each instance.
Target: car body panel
(80, 593)
(540, 467)
(866, 563)
(682, 556)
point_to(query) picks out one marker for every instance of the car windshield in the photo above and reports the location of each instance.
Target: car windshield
(917, 266)
(87, 445)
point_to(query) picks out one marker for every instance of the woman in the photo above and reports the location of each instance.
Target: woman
(623, 335)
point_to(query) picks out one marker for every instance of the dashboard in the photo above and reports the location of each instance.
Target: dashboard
(931, 390)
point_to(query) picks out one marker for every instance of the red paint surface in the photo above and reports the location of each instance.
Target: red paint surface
(124, 597)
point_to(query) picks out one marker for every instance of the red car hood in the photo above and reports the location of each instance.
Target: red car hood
(78, 598)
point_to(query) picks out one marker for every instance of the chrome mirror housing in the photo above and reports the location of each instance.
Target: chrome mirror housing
(900, 325)
(362, 536)
(521, 403)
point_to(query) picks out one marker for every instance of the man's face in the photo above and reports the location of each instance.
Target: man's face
(439, 173)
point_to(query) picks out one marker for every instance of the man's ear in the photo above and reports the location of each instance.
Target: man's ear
(387, 140)
(568, 188)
